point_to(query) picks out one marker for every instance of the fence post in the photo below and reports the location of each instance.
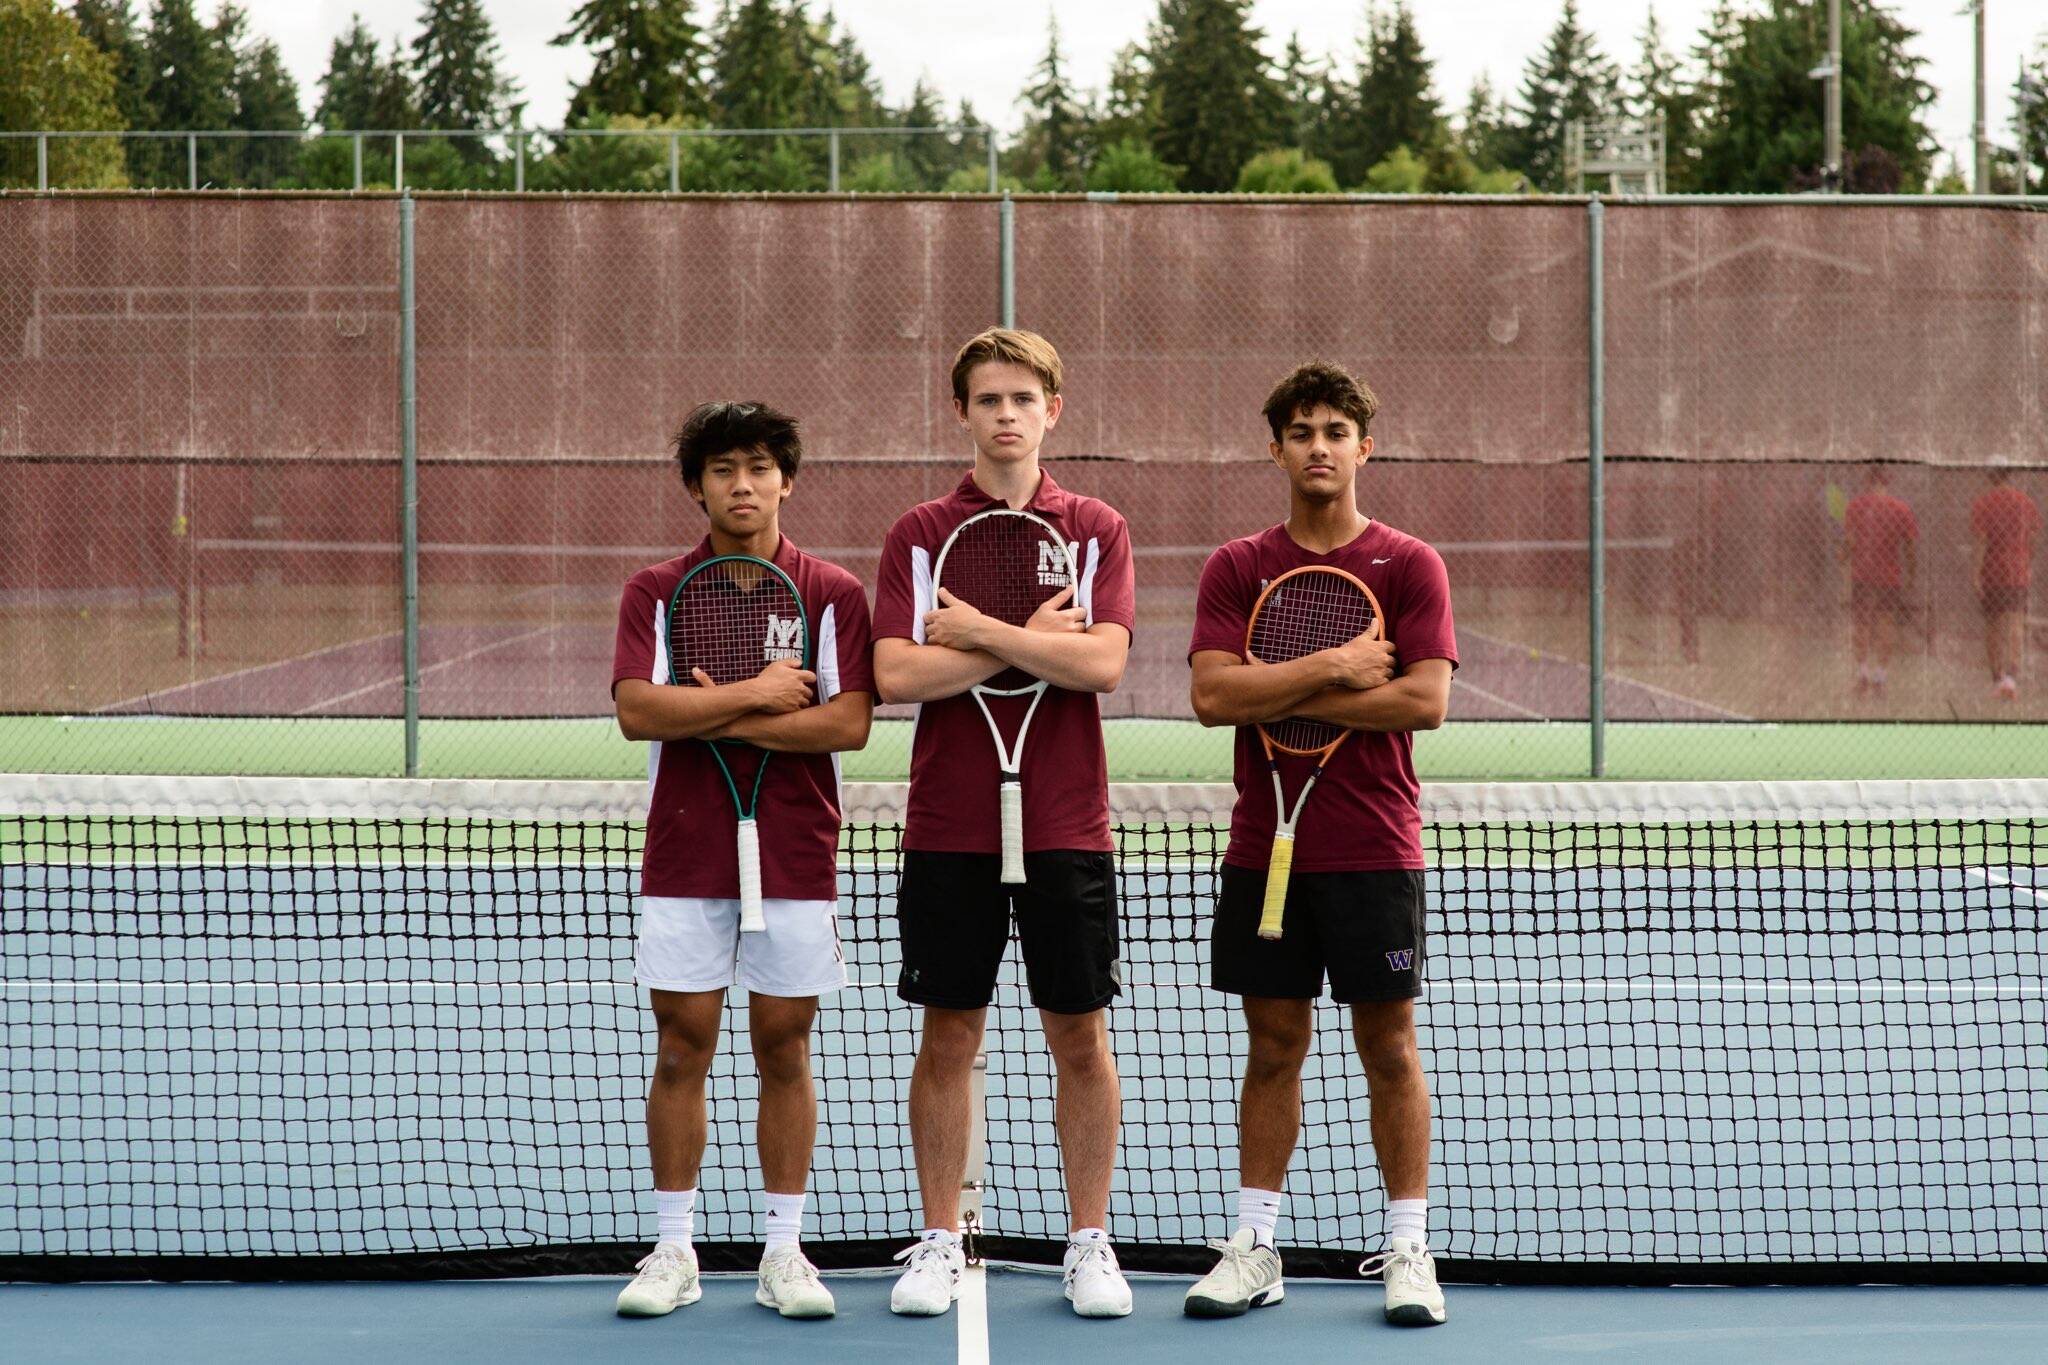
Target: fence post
(1596, 482)
(191, 161)
(1006, 252)
(519, 165)
(833, 138)
(359, 160)
(675, 166)
(989, 136)
(43, 162)
(409, 483)
(398, 162)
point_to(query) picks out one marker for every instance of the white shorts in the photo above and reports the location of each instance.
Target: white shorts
(695, 944)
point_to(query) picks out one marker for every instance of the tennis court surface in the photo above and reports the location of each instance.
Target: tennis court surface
(1791, 1033)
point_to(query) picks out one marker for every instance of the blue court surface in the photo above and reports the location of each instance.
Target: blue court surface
(511, 1322)
(1667, 1063)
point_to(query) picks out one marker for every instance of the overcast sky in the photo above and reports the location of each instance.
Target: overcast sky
(985, 51)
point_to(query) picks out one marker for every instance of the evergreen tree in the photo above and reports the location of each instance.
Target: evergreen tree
(1762, 117)
(363, 88)
(1218, 102)
(1569, 80)
(1304, 89)
(110, 25)
(1127, 110)
(1055, 124)
(1656, 86)
(1483, 132)
(57, 79)
(1132, 168)
(266, 96)
(861, 104)
(2030, 120)
(650, 59)
(455, 65)
(1392, 104)
(756, 82)
(190, 71)
(925, 155)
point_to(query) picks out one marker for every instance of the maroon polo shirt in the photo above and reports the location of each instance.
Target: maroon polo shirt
(953, 770)
(691, 841)
(1363, 815)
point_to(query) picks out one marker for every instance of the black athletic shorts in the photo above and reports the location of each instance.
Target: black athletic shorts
(953, 916)
(1362, 928)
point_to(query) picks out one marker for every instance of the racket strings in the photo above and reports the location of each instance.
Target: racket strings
(1006, 567)
(1299, 617)
(732, 621)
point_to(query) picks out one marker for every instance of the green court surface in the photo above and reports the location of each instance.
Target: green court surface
(1139, 750)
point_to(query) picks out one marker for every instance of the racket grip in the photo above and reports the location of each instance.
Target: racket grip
(1277, 871)
(752, 921)
(1012, 801)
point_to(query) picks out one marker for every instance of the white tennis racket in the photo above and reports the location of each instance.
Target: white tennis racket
(1005, 564)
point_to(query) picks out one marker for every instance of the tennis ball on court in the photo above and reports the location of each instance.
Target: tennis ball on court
(1535, 653)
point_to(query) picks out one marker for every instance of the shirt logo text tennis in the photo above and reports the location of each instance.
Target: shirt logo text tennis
(785, 638)
(1401, 959)
(1052, 565)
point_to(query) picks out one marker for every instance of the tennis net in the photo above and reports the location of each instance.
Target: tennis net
(263, 1028)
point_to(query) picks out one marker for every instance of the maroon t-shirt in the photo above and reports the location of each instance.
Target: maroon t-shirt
(1363, 814)
(953, 770)
(691, 841)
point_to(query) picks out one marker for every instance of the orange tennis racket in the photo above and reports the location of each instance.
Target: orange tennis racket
(1302, 612)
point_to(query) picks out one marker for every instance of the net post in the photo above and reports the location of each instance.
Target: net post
(1006, 217)
(1596, 484)
(972, 1178)
(409, 481)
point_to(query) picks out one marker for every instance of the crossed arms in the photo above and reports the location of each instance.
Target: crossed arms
(1356, 685)
(768, 710)
(963, 647)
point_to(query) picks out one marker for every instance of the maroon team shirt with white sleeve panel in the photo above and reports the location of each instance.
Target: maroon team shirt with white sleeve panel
(953, 769)
(1364, 814)
(691, 840)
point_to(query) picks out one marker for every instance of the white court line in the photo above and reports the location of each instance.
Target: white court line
(1468, 686)
(1988, 875)
(111, 710)
(972, 1311)
(399, 678)
(1611, 675)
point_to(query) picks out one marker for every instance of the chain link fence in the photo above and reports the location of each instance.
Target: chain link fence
(203, 558)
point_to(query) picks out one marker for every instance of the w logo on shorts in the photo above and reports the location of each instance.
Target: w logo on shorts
(1401, 959)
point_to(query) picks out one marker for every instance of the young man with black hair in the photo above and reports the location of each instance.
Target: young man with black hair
(739, 461)
(1355, 902)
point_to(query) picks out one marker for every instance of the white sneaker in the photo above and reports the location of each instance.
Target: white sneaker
(1413, 1298)
(789, 1284)
(1095, 1286)
(1247, 1277)
(667, 1281)
(931, 1281)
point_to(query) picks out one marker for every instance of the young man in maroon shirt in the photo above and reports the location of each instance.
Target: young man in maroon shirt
(739, 460)
(2004, 522)
(953, 910)
(1355, 902)
(1878, 535)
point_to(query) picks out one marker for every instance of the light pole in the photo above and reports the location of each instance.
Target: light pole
(1830, 73)
(1978, 132)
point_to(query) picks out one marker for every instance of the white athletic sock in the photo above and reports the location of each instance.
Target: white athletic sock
(675, 1213)
(1409, 1218)
(1259, 1210)
(943, 1236)
(1086, 1236)
(785, 1218)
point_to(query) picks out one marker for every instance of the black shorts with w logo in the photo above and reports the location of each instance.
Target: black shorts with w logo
(1363, 929)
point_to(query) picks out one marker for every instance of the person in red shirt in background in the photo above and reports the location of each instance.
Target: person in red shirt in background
(953, 911)
(1878, 539)
(739, 461)
(2004, 521)
(1355, 905)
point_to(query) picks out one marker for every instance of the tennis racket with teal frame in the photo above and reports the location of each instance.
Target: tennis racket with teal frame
(732, 616)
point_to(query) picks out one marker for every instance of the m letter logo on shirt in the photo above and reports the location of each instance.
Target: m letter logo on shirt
(784, 639)
(1401, 959)
(1052, 565)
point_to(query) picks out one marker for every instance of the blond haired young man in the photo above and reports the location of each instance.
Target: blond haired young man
(953, 911)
